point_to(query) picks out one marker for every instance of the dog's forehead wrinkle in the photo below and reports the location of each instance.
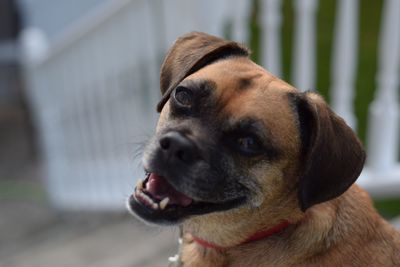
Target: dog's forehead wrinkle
(246, 80)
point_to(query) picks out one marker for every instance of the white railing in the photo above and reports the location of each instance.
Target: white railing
(94, 90)
(383, 173)
(345, 60)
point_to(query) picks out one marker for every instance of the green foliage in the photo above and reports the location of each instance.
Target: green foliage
(255, 32)
(370, 17)
(388, 208)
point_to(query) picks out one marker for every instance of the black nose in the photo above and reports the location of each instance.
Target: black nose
(178, 148)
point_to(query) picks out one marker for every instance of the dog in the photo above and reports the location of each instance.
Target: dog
(255, 172)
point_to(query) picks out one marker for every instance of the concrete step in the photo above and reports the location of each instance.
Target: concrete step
(85, 241)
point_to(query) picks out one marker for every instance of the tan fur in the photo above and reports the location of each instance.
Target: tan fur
(345, 231)
(342, 230)
(265, 104)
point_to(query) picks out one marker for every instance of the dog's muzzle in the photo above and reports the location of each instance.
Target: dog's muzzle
(175, 186)
(178, 150)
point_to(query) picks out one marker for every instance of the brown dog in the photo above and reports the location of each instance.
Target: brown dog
(256, 172)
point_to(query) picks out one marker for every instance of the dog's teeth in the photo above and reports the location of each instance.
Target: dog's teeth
(164, 203)
(139, 184)
(145, 198)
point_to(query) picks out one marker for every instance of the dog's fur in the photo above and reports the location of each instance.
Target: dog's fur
(305, 176)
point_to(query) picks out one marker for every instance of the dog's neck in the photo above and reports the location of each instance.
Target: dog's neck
(264, 233)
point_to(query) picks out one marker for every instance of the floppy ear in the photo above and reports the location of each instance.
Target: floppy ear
(333, 155)
(190, 53)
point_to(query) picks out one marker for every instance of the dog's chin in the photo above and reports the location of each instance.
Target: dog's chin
(157, 201)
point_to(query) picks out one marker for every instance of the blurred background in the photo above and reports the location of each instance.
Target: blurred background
(78, 89)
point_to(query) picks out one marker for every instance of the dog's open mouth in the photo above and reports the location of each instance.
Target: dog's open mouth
(156, 193)
(156, 200)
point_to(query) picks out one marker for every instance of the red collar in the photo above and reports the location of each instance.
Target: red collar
(255, 237)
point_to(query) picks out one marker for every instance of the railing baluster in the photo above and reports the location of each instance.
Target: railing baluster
(344, 60)
(240, 13)
(213, 23)
(383, 129)
(69, 91)
(271, 40)
(303, 70)
(177, 25)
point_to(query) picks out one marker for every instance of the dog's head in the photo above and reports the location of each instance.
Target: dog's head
(233, 140)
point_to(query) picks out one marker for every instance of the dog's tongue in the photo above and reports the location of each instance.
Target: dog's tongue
(159, 188)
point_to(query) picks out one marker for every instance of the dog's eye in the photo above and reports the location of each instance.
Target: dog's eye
(183, 96)
(248, 145)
